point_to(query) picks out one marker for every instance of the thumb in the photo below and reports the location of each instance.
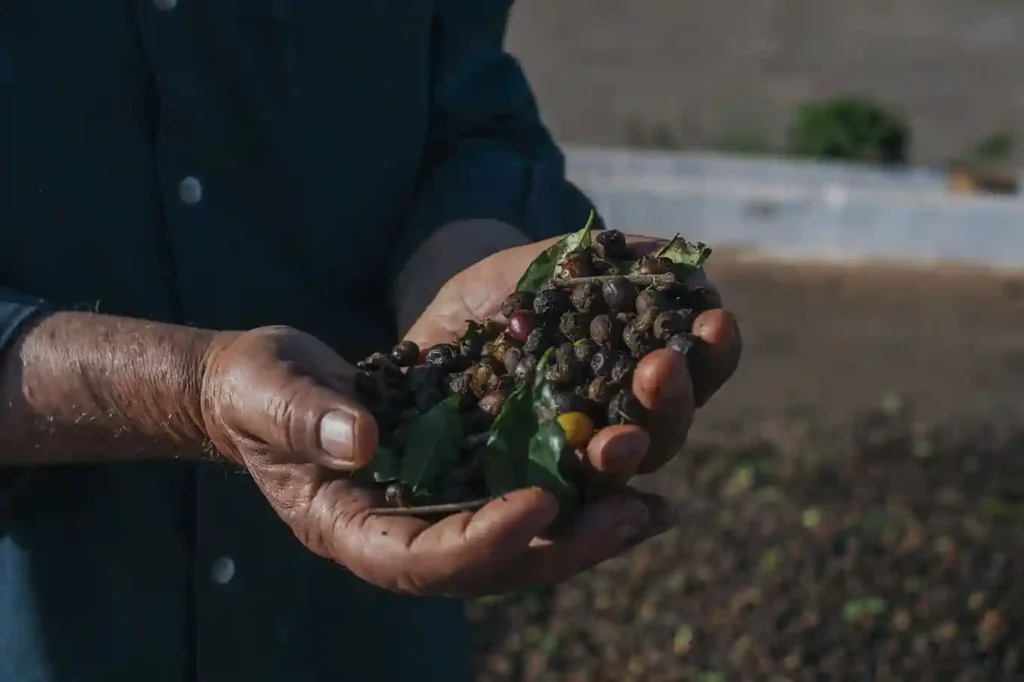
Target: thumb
(323, 427)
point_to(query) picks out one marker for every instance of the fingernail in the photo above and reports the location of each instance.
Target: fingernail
(336, 436)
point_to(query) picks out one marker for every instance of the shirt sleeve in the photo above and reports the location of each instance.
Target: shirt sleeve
(489, 156)
(16, 310)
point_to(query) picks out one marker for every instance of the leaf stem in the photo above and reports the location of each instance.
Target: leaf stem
(645, 280)
(432, 509)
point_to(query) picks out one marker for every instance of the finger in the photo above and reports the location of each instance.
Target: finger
(613, 456)
(314, 423)
(717, 358)
(448, 557)
(600, 531)
(663, 385)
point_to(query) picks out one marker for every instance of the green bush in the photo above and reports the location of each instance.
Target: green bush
(850, 129)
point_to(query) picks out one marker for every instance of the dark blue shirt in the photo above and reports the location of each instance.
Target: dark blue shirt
(230, 164)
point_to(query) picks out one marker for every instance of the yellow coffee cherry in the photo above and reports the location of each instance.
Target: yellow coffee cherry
(578, 427)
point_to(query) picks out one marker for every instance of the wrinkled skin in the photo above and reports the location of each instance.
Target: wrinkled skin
(300, 460)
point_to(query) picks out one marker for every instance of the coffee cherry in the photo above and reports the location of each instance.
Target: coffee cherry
(653, 265)
(605, 330)
(601, 390)
(584, 349)
(602, 361)
(521, 324)
(671, 322)
(652, 299)
(682, 343)
(511, 358)
(574, 325)
(550, 302)
(619, 294)
(519, 300)
(612, 244)
(622, 371)
(577, 264)
(536, 342)
(491, 403)
(459, 383)
(406, 353)
(701, 299)
(482, 379)
(586, 297)
(526, 369)
(443, 355)
(578, 428)
(625, 408)
(567, 401)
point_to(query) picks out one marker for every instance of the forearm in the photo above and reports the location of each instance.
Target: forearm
(78, 387)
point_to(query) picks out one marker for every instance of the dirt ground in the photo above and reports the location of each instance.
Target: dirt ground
(851, 505)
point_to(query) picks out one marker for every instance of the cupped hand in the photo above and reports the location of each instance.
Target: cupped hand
(279, 402)
(662, 381)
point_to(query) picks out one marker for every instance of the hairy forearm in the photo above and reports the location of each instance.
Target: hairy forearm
(79, 387)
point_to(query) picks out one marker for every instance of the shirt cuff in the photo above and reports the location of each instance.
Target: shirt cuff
(448, 251)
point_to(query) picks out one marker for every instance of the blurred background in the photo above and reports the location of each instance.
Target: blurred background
(852, 503)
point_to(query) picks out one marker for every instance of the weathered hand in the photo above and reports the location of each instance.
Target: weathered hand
(280, 402)
(662, 381)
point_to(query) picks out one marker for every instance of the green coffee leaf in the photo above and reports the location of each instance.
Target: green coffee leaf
(547, 447)
(383, 468)
(682, 252)
(504, 460)
(432, 446)
(544, 266)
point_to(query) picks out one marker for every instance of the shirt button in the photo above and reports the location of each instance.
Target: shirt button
(190, 191)
(222, 570)
(165, 4)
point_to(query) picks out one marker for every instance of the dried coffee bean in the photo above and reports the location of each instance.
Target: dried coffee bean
(526, 369)
(612, 244)
(622, 371)
(584, 350)
(491, 403)
(637, 338)
(672, 291)
(625, 408)
(574, 325)
(443, 355)
(405, 354)
(519, 300)
(653, 265)
(459, 383)
(602, 361)
(652, 299)
(482, 379)
(701, 299)
(605, 330)
(496, 366)
(619, 294)
(398, 495)
(587, 298)
(536, 342)
(521, 324)
(511, 358)
(682, 343)
(577, 264)
(550, 303)
(670, 323)
(566, 401)
(604, 267)
(601, 390)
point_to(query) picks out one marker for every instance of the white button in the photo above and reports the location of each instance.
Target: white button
(165, 4)
(190, 191)
(222, 570)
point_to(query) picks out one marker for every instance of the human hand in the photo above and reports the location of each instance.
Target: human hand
(662, 381)
(281, 403)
